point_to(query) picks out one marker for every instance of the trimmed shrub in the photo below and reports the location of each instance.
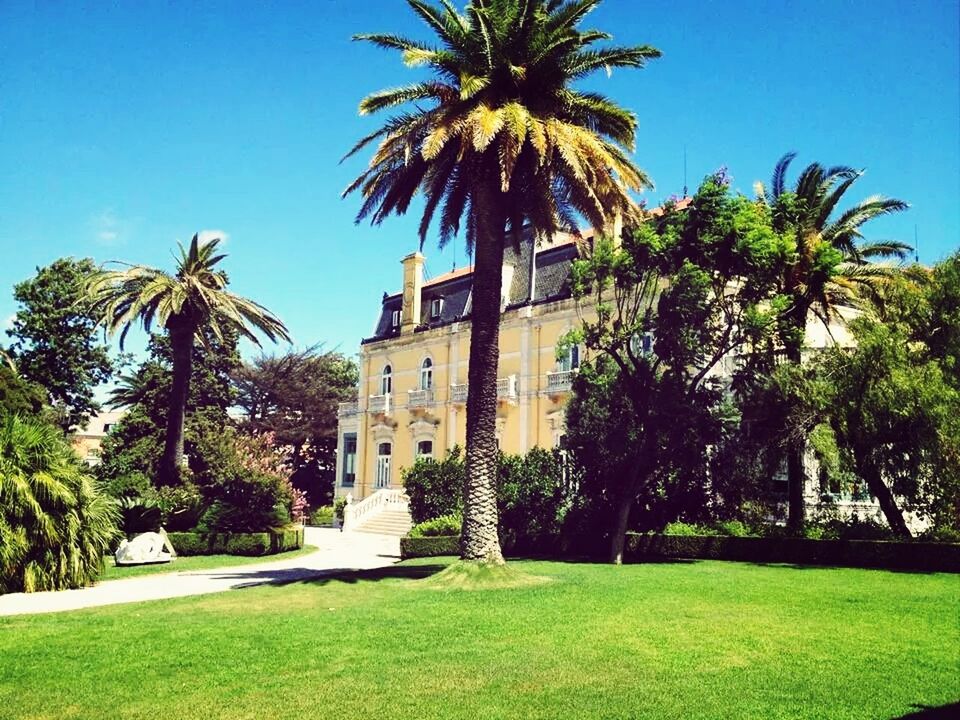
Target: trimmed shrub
(411, 547)
(852, 553)
(441, 526)
(322, 516)
(262, 543)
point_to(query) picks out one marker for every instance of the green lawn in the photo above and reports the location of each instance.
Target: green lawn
(196, 562)
(667, 640)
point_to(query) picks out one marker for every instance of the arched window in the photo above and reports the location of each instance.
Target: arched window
(426, 374)
(384, 451)
(386, 381)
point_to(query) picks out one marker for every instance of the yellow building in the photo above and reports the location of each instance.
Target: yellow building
(413, 370)
(87, 440)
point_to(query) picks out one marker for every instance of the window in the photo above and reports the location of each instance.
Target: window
(425, 449)
(571, 360)
(349, 472)
(641, 345)
(426, 374)
(383, 465)
(107, 426)
(395, 319)
(436, 307)
(386, 381)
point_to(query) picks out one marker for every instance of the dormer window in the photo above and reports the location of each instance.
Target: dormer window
(395, 319)
(436, 307)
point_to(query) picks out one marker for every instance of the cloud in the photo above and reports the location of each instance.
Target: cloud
(109, 229)
(205, 236)
(8, 323)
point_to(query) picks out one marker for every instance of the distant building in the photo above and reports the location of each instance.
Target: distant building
(87, 440)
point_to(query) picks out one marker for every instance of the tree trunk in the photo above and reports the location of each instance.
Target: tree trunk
(618, 541)
(796, 446)
(479, 541)
(888, 503)
(181, 344)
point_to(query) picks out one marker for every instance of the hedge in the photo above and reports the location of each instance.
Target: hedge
(262, 543)
(942, 557)
(930, 557)
(429, 546)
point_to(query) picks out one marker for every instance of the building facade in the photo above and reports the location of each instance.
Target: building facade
(87, 440)
(413, 370)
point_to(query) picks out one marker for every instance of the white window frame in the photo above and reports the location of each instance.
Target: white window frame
(436, 308)
(395, 318)
(570, 361)
(423, 454)
(386, 380)
(426, 374)
(383, 464)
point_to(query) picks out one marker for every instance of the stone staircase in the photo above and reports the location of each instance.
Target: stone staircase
(386, 512)
(392, 521)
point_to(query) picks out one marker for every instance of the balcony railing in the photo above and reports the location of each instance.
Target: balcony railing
(507, 388)
(458, 393)
(379, 404)
(346, 409)
(420, 398)
(560, 381)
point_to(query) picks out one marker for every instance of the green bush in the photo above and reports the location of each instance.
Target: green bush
(139, 515)
(261, 543)
(435, 488)
(181, 507)
(734, 528)
(429, 546)
(246, 502)
(534, 495)
(338, 505)
(682, 529)
(441, 526)
(322, 516)
(55, 526)
(941, 534)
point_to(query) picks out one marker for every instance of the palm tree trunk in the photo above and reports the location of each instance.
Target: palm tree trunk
(479, 539)
(796, 446)
(181, 344)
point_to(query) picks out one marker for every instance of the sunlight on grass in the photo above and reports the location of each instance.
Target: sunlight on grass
(467, 575)
(196, 562)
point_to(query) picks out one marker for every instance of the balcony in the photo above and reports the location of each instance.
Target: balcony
(346, 409)
(458, 393)
(507, 388)
(420, 398)
(560, 382)
(379, 404)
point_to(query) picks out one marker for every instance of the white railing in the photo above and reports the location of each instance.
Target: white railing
(355, 513)
(560, 381)
(419, 398)
(458, 393)
(379, 404)
(345, 409)
(507, 388)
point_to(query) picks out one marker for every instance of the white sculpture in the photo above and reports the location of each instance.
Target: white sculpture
(151, 547)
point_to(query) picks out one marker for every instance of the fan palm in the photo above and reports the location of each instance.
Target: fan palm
(54, 526)
(501, 138)
(831, 269)
(193, 298)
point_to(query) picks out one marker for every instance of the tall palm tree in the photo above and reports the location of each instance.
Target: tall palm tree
(501, 137)
(193, 298)
(832, 268)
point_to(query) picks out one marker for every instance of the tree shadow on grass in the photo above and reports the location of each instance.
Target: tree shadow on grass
(929, 712)
(798, 566)
(310, 576)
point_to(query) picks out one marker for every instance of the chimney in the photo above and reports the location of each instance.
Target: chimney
(412, 290)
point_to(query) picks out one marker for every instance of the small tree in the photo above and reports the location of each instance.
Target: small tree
(685, 291)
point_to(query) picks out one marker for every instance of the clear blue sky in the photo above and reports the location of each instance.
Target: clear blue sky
(127, 126)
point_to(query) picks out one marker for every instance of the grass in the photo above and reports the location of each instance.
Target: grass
(195, 562)
(667, 640)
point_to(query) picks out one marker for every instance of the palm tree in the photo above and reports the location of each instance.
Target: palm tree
(501, 137)
(193, 299)
(832, 267)
(54, 526)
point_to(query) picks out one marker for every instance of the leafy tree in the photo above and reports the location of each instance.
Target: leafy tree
(435, 487)
(294, 397)
(192, 300)
(54, 526)
(19, 396)
(830, 267)
(132, 452)
(683, 292)
(55, 339)
(501, 136)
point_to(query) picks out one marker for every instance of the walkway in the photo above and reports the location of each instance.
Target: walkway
(338, 552)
